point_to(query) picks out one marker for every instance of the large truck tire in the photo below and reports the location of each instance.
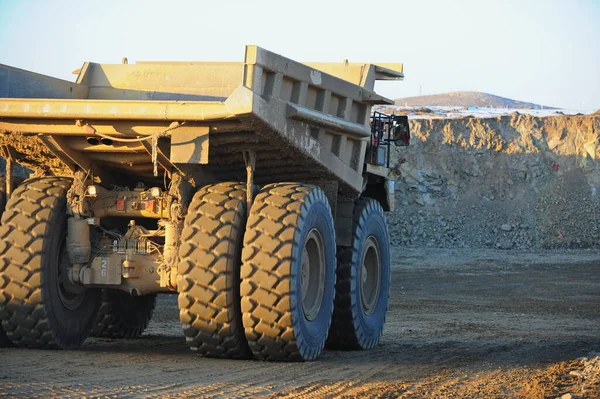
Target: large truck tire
(363, 281)
(4, 341)
(288, 272)
(209, 271)
(122, 315)
(39, 307)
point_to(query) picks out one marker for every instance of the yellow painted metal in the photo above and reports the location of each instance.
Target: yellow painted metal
(115, 110)
(190, 145)
(81, 144)
(326, 121)
(316, 114)
(210, 81)
(132, 273)
(120, 128)
(136, 204)
(104, 270)
(361, 74)
(28, 84)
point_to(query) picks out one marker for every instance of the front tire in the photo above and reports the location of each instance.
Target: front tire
(38, 305)
(288, 272)
(363, 281)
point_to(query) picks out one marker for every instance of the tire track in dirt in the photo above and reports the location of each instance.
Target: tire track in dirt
(456, 327)
(233, 377)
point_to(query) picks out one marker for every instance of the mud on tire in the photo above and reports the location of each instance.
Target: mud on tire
(35, 308)
(122, 315)
(209, 271)
(289, 234)
(362, 292)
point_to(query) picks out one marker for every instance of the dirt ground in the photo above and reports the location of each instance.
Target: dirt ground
(461, 324)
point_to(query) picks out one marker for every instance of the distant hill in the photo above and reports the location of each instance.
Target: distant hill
(467, 99)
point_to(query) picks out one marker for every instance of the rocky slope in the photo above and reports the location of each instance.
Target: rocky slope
(508, 182)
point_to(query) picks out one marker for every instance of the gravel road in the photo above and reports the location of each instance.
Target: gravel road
(460, 324)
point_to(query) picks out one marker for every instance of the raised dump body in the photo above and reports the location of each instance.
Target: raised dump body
(232, 184)
(304, 121)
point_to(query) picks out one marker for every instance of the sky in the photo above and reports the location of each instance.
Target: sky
(547, 52)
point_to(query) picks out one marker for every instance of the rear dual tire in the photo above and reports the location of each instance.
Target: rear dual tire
(288, 272)
(209, 271)
(123, 316)
(363, 281)
(4, 341)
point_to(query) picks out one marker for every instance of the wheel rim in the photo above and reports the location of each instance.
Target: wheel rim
(70, 295)
(370, 277)
(312, 278)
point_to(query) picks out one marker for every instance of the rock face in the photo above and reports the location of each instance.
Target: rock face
(510, 182)
(32, 157)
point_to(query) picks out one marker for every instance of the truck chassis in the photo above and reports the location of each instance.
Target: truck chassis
(256, 191)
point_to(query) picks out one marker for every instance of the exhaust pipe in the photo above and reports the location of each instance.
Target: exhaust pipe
(92, 140)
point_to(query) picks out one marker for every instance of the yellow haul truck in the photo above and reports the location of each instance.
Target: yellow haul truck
(254, 190)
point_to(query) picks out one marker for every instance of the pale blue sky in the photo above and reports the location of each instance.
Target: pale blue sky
(542, 51)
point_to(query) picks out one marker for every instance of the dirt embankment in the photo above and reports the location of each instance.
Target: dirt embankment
(509, 182)
(31, 156)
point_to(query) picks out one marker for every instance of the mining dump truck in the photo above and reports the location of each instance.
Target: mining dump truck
(255, 191)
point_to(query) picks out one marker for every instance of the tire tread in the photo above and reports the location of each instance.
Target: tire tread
(346, 331)
(112, 323)
(24, 231)
(207, 279)
(268, 295)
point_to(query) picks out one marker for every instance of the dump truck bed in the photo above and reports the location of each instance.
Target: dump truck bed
(304, 121)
